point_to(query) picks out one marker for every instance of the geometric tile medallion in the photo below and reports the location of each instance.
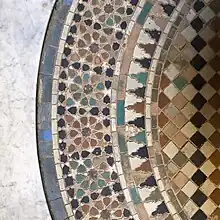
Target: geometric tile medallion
(135, 110)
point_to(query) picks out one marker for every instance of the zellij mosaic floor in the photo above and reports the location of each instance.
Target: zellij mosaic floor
(136, 110)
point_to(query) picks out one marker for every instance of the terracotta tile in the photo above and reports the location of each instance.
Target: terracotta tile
(215, 158)
(170, 130)
(162, 120)
(179, 139)
(179, 101)
(215, 139)
(163, 100)
(164, 82)
(215, 101)
(215, 177)
(215, 63)
(163, 139)
(180, 180)
(215, 120)
(215, 196)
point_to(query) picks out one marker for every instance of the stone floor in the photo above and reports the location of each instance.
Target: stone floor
(136, 110)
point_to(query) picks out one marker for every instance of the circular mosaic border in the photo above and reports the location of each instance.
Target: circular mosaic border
(139, 177)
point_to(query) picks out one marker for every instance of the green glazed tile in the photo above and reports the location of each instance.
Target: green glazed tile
(180, 82)
(144, 12)
(120, 112)
(140, 77)
(134, 195)
(122, 144)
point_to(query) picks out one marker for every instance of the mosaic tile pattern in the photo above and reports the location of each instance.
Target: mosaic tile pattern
(135, 110)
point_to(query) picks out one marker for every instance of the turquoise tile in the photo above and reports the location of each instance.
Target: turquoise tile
(140, 137)
(144, 12)
(141, 77)
(134, 195)
(120, 112)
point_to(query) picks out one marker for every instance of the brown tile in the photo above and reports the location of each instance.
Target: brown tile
(180, 180)
(215, 43)
(215, 120)
(162, 120)
(215, 24)
(172, 169)
(164, 82)
(214, 82)
(215, 158)
(179, 139)
(180, 159)
(215, 215)
(215, 139)
(173, 52)
(215, 177)
(215, 6)
(163, 139)
(170, 130)
(215, 63)
(179, 101)
(215, 196)
(163, 100)
(215, 101)
(180, 120)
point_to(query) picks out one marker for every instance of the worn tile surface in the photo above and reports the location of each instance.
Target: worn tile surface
(136, 110)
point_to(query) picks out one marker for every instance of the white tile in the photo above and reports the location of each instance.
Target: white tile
(208, 187)
(191, 14)
(207, 168)
(189, 189)
(189, 110)
(189, 92)
(171, 72)
(189, 169)
(208, 207)
(171, 91)
(171, 150)
(188, 149)
(207, 149)
(189, 130)
(191, 208)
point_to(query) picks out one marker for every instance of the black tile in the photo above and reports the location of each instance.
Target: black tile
(198, 82)
(198, 43)
(198, 5)
(198, 119)
(198, 62)
(199, 177)
(197, 24)
(199, 215)
(199, 198)
(198, 139)
(198, 101)
(198, 158)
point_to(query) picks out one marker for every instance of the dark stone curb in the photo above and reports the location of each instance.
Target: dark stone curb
(43, 108)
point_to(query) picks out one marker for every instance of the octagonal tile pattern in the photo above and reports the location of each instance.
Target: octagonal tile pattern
(134, 110)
